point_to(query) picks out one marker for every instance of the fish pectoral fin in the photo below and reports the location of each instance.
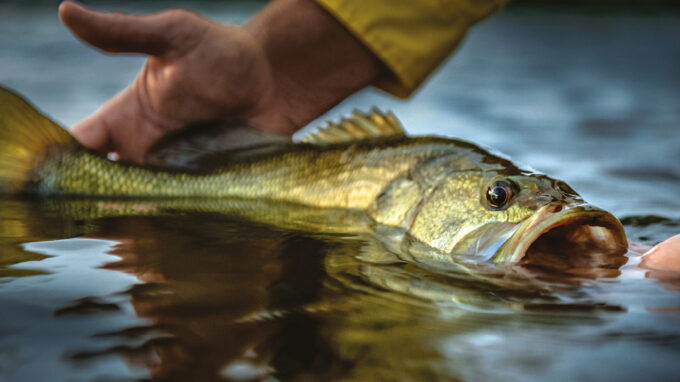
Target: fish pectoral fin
(191, 147)
(360, 126)
(26, 138)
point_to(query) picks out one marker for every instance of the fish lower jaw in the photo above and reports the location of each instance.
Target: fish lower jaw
(568, 238)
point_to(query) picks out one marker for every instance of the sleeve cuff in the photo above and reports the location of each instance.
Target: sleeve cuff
(411, 37)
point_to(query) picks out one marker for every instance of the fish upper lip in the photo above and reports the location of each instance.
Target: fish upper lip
(552, 216)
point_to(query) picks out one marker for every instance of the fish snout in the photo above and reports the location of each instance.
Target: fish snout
(564, 237)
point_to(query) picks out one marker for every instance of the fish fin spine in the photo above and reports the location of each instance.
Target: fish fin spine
(27, 138)
(360, 126)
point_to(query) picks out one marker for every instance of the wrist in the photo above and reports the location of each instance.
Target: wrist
(315, 61)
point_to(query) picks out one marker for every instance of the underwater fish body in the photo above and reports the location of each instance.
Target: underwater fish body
(448, 195)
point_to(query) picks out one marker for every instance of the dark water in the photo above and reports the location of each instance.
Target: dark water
(593, 98)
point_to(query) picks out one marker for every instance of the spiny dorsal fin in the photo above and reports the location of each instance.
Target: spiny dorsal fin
(360, 126)
(26, 138)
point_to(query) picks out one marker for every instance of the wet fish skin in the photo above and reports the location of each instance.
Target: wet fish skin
(432, 187)
(428, 189)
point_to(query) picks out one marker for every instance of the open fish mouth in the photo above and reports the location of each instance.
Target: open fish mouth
(565, 238)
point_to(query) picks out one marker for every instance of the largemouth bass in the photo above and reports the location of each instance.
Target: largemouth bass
(434, 197)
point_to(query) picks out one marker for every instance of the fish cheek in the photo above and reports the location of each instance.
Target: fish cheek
(396, 204)
(448, 214)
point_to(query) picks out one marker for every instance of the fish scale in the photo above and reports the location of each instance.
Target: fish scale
(427, 190)
(308, 176)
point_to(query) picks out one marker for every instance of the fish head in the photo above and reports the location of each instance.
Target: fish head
(516, 218)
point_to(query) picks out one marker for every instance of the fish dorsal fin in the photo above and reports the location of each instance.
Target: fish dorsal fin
(360, 126)
(189, 148)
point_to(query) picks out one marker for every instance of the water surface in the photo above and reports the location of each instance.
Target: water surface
(592, 98)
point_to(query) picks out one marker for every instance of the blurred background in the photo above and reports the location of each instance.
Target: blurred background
(588, 91)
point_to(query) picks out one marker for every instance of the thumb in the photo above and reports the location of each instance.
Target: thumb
(117, 32)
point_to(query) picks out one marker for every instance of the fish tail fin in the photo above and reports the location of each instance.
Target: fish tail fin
(27, 138)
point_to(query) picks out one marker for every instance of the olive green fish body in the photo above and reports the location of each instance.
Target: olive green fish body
(341, 175)
(449, 195)
(335, 176)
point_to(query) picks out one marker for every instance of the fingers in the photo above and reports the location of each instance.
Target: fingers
(120, 126)
(96, 132)
(117, 32)
(93, 134)
(664, 256)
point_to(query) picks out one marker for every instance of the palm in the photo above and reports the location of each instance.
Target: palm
(209, 90)
(184, 81)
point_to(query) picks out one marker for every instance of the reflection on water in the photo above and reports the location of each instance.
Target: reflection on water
(169, 295)
(203, 296)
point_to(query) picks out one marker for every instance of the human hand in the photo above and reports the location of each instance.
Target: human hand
(664, 256)
(197, 71)
(288, 65)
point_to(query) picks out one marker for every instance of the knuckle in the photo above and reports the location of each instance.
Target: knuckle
(176, 17)
(182, 27)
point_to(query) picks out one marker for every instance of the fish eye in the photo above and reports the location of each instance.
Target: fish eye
(499, 193)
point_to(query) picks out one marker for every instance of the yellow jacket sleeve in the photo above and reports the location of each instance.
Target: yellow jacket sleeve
(411, 37)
